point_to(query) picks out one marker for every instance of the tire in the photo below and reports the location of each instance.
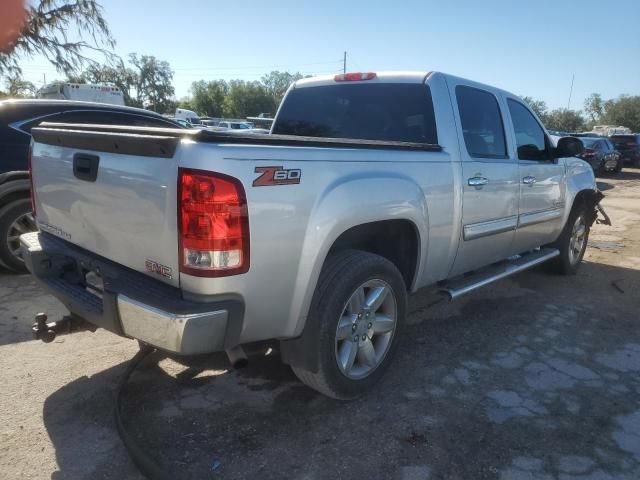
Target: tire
(571, 254)
(347, 278)
(619, 166)
(15, 219)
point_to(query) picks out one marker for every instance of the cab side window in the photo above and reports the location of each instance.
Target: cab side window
(530, 137)
(481, 123)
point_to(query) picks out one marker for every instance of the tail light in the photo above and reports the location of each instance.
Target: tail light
(354, 77)
(213, 224)
(589, 153)
(32, 194)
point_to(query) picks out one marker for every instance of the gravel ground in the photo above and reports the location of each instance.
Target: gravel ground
(534, 377)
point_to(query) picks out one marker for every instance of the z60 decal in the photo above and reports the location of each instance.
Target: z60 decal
(277, 176)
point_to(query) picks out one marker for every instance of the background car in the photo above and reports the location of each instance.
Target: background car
(601, 154)
(629, 148)
(17, 118)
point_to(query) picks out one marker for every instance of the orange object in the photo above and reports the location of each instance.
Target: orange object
(12, 20)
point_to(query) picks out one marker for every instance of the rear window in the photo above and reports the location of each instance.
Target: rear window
(400, 112)
(589, 143)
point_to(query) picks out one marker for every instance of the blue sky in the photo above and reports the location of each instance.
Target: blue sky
(527, 47)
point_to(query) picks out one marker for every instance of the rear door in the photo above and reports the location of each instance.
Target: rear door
(541, 176)
(490, 179)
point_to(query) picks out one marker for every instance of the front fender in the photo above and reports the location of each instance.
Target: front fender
(347, 203)
(580, 177)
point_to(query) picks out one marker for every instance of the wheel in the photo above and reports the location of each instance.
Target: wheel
(572, 242)
(619, 166)
(15, 219)
(356, 314)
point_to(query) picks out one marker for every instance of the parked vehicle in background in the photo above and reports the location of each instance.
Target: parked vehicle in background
(235, 125)
(207, 122)
(608, 130)
(82, 92)
(188, 116)
(629, 148)
(601, 155)
(17, 118)
(369, 187)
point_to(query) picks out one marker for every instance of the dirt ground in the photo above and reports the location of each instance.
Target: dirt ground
(534, 377)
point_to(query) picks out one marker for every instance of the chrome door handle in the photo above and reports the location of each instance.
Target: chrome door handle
(529, 180)
(477, 181)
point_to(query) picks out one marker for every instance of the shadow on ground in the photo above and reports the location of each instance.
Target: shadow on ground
(535, 377)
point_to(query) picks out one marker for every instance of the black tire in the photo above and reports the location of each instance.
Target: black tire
(567, 263)
(8, 215)
(619, 166)
(343, 273)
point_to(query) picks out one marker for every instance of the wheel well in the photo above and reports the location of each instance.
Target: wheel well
(13, 196)
(589, 199)
(395, 240)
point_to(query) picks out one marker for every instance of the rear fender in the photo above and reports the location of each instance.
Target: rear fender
(349, 202)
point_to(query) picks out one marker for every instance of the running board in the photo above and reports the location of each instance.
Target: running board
(458, 287)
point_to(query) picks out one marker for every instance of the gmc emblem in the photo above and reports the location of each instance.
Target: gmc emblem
(277, 176)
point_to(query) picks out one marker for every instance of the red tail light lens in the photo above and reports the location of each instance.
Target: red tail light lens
(213, 224)
(354, 77)
(32, 194)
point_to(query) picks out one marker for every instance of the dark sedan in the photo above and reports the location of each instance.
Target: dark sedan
(17, 118)
(601, 155)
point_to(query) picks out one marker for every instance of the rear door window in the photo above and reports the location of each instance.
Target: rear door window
(481, 123)
(377, 111)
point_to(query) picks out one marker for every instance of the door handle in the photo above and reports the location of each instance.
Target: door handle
(529, 180)
(477, 181)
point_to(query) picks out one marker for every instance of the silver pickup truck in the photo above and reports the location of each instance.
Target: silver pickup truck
(369, 187)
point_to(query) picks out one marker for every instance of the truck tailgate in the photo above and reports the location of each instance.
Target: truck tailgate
(127, 213)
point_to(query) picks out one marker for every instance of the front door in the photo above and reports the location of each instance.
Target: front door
(490, 180)
(542, 182)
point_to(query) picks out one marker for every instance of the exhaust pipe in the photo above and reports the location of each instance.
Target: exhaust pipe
(237, 357)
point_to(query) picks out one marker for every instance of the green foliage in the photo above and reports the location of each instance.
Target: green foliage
(207, 98)
(624, 110)
(276, 83)
(247, 98)
(594, 107)
(564, 120)
(538, 106)
(16, 87)
(50, 24)
(146, 82)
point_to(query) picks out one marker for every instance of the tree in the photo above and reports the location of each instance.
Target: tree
(624, 110)
(538, 106)
(565, 120)
(153, 81)
(147, 82)
(17, 87)
(276, 83)
(49, 25)
(247, 98)
(116, 73)
(594, 107)
(208, 97)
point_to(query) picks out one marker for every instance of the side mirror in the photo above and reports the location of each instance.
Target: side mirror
(569, 147)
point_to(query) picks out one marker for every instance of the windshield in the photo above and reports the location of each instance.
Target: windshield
(377, 111)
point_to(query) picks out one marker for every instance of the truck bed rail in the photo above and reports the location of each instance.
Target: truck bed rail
(162, 142)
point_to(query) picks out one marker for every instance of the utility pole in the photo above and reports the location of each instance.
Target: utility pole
(344, 63)
(571, 90)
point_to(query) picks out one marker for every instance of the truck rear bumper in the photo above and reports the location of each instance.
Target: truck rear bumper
(130, 303)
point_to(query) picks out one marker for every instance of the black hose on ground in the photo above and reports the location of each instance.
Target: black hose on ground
(145, 463)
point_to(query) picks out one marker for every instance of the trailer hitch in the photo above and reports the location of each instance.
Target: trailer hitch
(48, 331)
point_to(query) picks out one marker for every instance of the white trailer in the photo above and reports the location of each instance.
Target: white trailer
(83, 92)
